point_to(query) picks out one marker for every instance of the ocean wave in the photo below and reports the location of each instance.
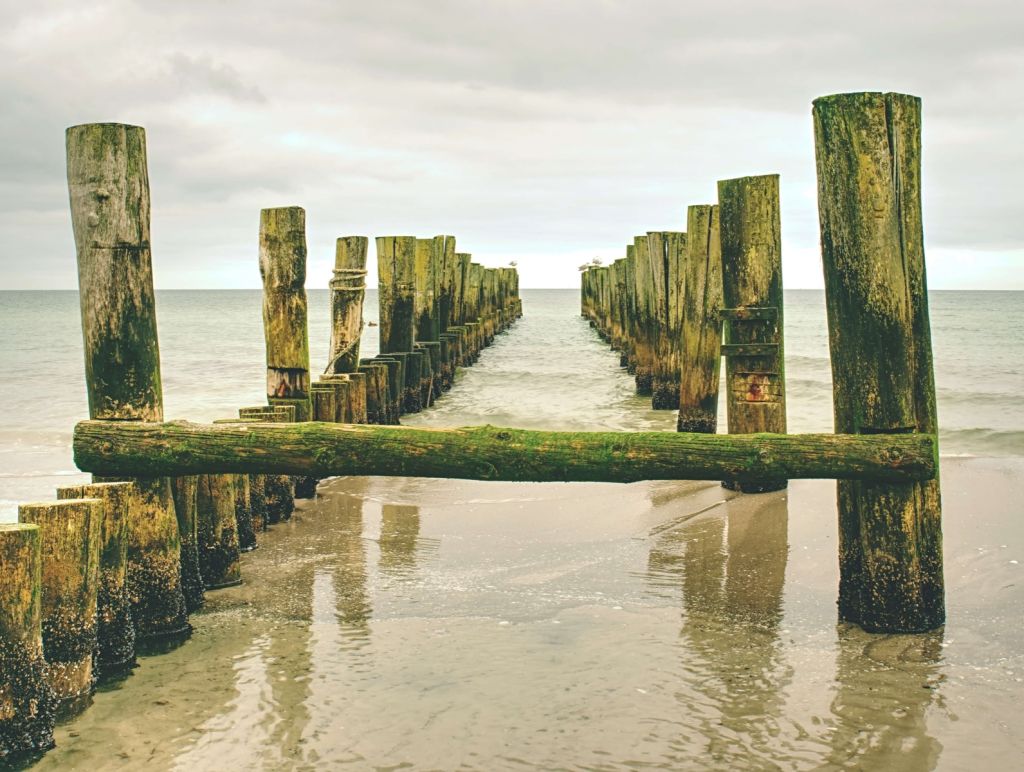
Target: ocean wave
(981, 442)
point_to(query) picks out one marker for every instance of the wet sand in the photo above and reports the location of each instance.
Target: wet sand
(449, 624)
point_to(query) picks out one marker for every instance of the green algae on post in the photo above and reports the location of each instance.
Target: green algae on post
(868, 150)
(28, 705)
(184, 491)
(348, 287)
(115, 632)
(70, 532)
(219, 556)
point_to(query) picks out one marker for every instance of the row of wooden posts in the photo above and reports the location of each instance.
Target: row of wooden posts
(664, 305)
(116, 566)
(884, 454)
(679, 302)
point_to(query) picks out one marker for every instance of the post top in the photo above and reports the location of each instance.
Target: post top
(103, 125)
(853, 96)
(15, 527)
(749, 178)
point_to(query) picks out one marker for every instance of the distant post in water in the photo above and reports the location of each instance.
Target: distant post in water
(347, 290)
(27, 703)
(108, 183)
(750, 232)
(396, 272)
(700, 357)
(868, 149)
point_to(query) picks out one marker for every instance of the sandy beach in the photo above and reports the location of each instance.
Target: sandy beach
(448, 624)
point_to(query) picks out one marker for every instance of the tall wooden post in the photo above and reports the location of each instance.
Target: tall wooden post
(108, 183)
(428, 258)
(71, 561)
(645, 291)
(219, 553)
(115, 633)
(347, 290)
(868, 148)
(283, 270)
(27, 703)
(185, 508)
(447, 281)
(396, 271)
(700, 357)
(752, 292)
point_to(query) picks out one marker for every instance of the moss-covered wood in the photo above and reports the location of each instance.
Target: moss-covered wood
(645, 322)
(108, 183)
(348, 286)
(184, 490)
(447, 292)
(70, 581)
(154, 562)
(278, 489)
(751, 239)
(219, 558)
(115, 632)
(700, 354)
(282, 258)
(868, 149)
(429, 254)
(491, 453)
(28, 705)
(396, 273)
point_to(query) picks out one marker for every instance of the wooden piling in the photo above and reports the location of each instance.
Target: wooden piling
(750, 235)
(108, 184)
(115, 632)
(347, 290)
(447, 286)
(70, 577)
(645, 321)
(283, 270)
(278, 490)
(396, 271)
(27, 702)
(184, 491)
(700, 355)
(429, 254)
(868, 149)
(219, 553)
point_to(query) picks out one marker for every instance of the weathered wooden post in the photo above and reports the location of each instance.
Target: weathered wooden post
(347, 290)
(28, 705)
(71, 560)
(396, 271)
(700, 356)
(108, 183)
(429, 254)
(219, 554)
(666, 251)
(446, 282)
(185, 507)
(115, 633)
(644, 375)
(278, 489)
(868, 148)
(750, 235)
(283, 270)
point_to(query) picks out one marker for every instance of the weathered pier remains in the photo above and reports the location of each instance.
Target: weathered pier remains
(172, 505)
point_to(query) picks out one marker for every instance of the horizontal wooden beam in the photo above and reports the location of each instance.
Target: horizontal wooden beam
(121, 448)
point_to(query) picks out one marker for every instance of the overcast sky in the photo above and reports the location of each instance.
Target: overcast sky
(546, 132)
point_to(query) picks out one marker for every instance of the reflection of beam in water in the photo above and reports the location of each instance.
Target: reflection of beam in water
(885, 687)
(730, 565)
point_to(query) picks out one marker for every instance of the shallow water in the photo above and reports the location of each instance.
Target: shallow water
(451, 625)
(408, 623)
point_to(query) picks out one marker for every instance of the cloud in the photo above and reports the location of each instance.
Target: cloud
(533, 129)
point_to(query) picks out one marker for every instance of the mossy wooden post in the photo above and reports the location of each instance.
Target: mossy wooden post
(750, 235)
(184, 489)
(347, 290)
(375, 392)
(664, 252)
(445, 246)
(631, 310)
(700, 355)
(868, 148)
(396, 386)
(413, 381)
(396, 272)
(115, 632)
(429, 254)
(219, 553)
(675, 251)
(644, 375)
(27, 703)
(108, 183)
(325, 402)
(462, 263)
(278, 489)
(283, 270)
(71, 561)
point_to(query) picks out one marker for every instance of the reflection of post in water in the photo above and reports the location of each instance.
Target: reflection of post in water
(885, 686)
(399, 538)
(732, 570)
